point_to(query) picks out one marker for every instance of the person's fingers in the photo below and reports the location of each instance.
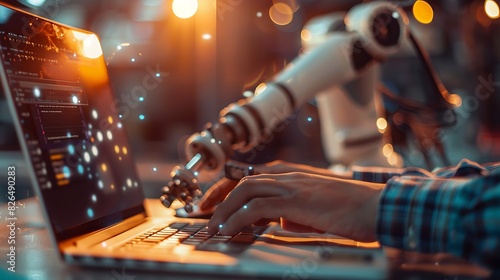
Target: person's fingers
(217, 193)
(252, 212)
(248, 189)
(274, 167)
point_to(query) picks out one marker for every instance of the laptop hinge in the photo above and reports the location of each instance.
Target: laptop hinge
(111, 231)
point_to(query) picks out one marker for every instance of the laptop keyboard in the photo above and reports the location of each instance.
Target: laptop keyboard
(195, 234)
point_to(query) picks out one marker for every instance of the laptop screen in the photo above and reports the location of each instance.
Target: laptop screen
(55, 81)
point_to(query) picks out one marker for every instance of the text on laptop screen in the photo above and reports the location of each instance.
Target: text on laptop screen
(57, 80)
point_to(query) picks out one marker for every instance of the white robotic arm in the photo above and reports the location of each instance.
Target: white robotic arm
(348, 112)
(373, 31)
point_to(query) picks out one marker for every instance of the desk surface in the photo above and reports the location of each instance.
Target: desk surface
(37, 259)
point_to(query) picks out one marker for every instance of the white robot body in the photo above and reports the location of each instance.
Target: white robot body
(348, 129)
(347, 112)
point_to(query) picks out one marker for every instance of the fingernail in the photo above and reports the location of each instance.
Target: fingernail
(222, 229)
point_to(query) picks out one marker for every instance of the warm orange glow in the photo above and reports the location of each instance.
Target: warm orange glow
(381, 124)
(110, 120)
(491, 8)
(92, 47)
(56, 157)
(125, 151)
(293, 4)
(388, 149)
(393, 159)
(305, 35)
(281, 14)
(185, 8)
(260, 88)
(454, 99)
(104, 167)
(117, 149)
(79, 35)
(482, 17)
(423, 12)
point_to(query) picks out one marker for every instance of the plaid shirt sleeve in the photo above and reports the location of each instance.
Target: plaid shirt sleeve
(454, 210)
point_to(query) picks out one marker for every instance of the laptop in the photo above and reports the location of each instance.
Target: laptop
(56, 85)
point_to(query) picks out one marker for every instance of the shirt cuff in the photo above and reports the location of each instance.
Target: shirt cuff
(414, 215)
(374, 174)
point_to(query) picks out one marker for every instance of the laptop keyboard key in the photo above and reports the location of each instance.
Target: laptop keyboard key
(177, 225)
(246, 239)
(195, 235)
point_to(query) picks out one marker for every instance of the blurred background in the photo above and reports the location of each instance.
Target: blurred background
(209, 52)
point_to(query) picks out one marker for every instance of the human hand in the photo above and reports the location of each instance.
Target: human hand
(218, 191)
(303, 201)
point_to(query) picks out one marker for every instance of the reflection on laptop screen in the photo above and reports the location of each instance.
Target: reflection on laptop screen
(55, 78)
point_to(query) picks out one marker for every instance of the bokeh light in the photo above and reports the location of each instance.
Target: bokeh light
(100, 137)
(92, 47)
(454, 99)
(260, 88)
(305, 35)
(388, 149)
(481, 16)
(109, 134)
(491, 8)
(90, 213)
(281, 14)
(95, 151)
(184, 8)
(423, 12)
(381, 124)
(37, 92)
(86, 157)
(79, 35)
(293, 4)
